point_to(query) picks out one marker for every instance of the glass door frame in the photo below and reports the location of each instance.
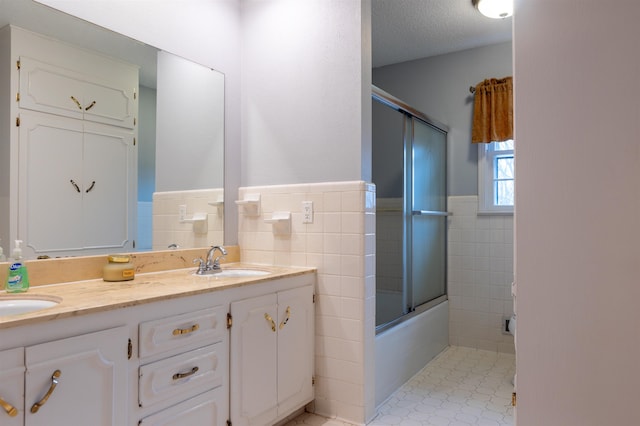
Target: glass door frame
(409, 308)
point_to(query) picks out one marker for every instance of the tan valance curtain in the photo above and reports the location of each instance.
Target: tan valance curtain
(493, 111)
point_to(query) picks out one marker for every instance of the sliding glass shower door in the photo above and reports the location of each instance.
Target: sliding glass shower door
(409, 170)
(428, 213)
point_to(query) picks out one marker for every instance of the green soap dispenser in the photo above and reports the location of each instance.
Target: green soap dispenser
(17, 280)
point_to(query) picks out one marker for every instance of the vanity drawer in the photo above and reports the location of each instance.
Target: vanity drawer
(183, 376)
(209, 408)
(186, 331)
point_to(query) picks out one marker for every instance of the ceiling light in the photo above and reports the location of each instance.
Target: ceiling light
(497, 9)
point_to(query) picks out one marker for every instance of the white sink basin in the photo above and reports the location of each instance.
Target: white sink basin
(235, 273)
(17, 305)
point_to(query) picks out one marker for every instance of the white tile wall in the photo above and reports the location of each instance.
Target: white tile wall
(341, 244)
(167, 228)
(479, 276)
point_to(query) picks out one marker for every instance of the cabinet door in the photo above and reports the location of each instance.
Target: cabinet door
(110, 103)
(86, 201)
(253, 361)
(91, 387)
(62, 91)
(47, 88)
(12, 387)
(108, 188)
(295, 348)
(50, 197)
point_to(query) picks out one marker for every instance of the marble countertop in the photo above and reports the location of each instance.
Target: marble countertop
(91, 296)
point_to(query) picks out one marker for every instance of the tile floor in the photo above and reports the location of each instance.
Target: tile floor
(460, 387)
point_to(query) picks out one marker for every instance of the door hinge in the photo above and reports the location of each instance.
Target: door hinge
(314, 298)
(135, 94)
(229, 422)
(513, 399)
(134, 121)
(18, 97)
(134, 141)
(129, 349)
(134, 243)
(18, 64)
(229, 320)
(17, 121)
(313, 380)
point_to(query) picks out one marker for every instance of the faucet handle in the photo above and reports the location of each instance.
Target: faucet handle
(202, 266)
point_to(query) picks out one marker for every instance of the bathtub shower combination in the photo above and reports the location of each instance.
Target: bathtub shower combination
(410, 172)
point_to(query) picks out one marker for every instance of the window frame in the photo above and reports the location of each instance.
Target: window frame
(486, 179)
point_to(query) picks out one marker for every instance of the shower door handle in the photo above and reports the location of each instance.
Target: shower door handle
(430, 213)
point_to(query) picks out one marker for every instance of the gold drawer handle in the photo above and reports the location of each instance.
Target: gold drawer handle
(179, 331)
(77, 102)
(286, 320)
(90, 106)
(54, 383)
(179, 376)
(270, 320)
(10, 409)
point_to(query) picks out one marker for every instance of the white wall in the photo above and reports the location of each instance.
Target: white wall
(439, 87)
(306, 71)
(577, 97)
(189, 114)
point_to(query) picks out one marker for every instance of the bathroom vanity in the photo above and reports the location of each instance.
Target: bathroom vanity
(168, 348)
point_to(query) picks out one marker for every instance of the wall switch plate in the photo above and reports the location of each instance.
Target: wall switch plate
(182, 212)
(307, 212)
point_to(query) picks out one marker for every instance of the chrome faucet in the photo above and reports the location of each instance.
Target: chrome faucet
(212, 265)
(214, 262)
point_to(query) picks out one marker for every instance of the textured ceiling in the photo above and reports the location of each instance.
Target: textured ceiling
(404, 30)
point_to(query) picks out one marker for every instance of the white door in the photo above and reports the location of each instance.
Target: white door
(295, 348)
(253, 362)
(81, 380)
(12, 387)
(78, 186)
(108, 187)
(51, 179)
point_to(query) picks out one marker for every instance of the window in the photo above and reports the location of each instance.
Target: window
(496, 168)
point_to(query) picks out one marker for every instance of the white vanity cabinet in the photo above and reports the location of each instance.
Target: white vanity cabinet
(167, 378)
(77, 380)
(70, 154)
(12, 387)
(86, 193)
(271, 356)
(242, 354)
(53, 89)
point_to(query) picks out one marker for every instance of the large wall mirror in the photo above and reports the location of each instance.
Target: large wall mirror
(180, 130)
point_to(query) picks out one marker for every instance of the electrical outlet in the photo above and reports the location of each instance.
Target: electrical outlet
(182, 212)
(307, 212)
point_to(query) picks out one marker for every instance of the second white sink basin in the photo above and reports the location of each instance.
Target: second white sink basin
(17, 305)
(236, 273)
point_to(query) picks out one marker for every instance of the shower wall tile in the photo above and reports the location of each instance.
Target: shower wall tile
(341, 244)
(480, 272)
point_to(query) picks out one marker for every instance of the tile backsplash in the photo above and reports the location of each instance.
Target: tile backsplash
(340, 242)
(168, 229)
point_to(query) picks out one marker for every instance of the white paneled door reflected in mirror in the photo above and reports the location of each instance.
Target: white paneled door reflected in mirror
(145, 125)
